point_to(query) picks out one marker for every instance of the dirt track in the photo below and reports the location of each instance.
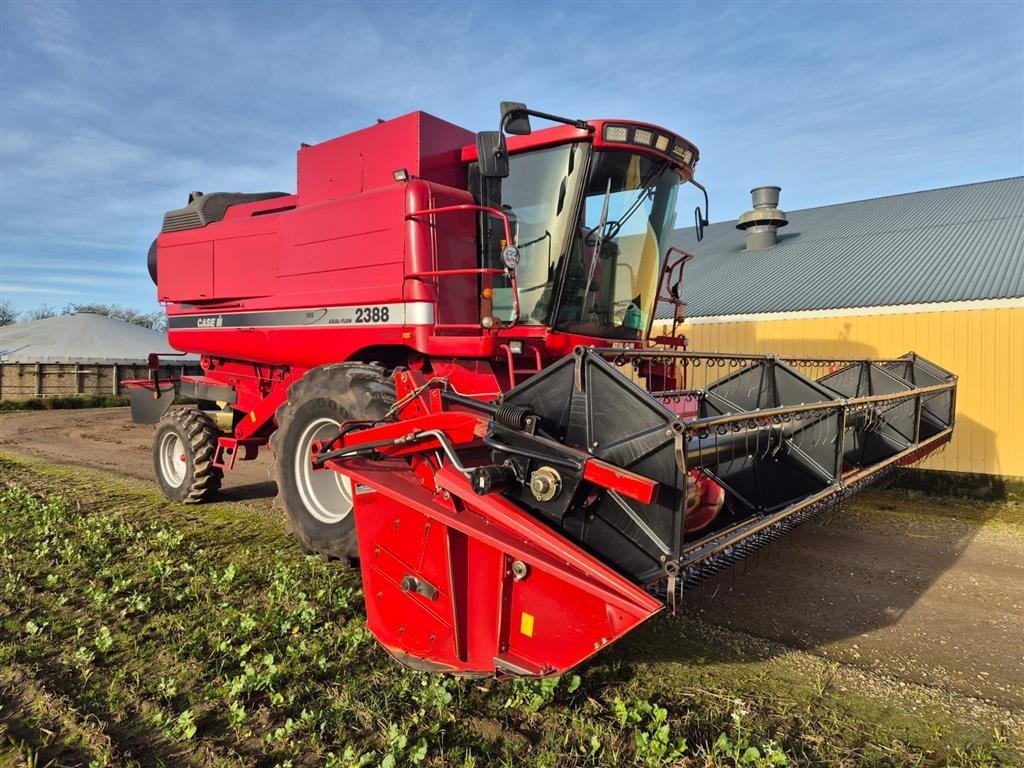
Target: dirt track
(885, 585)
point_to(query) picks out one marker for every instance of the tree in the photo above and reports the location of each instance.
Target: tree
(154, 320)
(39, 313)
(8, 315)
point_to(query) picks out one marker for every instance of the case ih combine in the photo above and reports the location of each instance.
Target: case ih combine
(446, 341)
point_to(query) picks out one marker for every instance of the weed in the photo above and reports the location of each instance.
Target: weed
(104, 641)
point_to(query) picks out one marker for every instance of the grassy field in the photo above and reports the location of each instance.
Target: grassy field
(138, 632)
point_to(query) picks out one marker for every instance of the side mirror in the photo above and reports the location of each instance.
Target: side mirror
(701, 217)
(491, 154)
(515, 119)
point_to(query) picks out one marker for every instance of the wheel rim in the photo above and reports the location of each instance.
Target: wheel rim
(326, 494)
(173, 459)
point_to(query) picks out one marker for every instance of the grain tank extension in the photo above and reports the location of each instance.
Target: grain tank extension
(445, 339)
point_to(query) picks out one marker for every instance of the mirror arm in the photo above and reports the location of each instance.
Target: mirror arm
(583, 125)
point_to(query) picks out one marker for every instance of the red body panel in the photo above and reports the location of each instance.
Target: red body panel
(348, 238)
(473, 583)
(476, 616)
(349, 253)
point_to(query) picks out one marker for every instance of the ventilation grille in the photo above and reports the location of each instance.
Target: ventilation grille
(206, 209)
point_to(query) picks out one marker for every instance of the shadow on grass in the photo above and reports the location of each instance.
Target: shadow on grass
(248, 492)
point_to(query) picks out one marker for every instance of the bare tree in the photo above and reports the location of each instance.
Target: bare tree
(39, 313)
(8, 315)
(154, 320)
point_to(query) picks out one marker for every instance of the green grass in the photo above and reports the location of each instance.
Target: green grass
(912, 504)
(60, 402)
(64, 402)
(135, 631)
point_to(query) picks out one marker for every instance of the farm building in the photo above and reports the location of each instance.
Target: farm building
(78, 354)
(938, 272)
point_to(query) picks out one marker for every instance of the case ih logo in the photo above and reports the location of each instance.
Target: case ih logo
(210, 322)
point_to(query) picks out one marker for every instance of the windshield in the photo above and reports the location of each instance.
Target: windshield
(539, 195)
(614, 262)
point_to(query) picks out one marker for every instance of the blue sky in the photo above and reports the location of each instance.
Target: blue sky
(111, 112)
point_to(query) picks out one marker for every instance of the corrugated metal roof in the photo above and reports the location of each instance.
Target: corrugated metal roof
(83, 338)
(953, 244)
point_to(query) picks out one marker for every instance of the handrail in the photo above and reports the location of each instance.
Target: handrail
(665, 277)
(510, 273)
(468, 207)
(684, 256)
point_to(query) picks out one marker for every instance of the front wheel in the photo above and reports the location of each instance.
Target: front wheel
(183, 450)
(317, 503)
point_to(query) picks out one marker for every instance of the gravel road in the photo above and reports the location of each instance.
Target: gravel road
(926, 599)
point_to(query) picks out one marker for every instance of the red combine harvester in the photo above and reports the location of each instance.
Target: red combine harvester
(447, 344)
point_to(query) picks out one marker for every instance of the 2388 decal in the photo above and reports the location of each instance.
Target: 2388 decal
(372, 314)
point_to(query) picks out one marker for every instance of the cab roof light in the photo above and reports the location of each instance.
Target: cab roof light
(683, 153)
(618, 133)
(647, 137)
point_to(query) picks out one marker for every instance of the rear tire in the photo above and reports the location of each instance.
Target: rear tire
(317, 503)
(183, 450)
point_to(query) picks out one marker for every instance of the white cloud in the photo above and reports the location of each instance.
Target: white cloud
(34, 290)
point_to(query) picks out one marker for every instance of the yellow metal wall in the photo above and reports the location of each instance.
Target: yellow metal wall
(983, 347)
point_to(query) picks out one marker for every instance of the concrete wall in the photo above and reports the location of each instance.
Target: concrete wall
(21, 381)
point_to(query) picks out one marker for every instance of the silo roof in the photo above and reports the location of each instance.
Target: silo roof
(83, 338)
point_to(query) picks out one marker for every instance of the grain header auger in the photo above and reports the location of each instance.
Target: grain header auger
(446, 342)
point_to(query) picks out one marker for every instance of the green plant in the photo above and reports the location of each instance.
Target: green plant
(737, 750)
(649, 722)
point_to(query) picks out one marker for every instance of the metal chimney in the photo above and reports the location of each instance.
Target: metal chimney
(762, 224)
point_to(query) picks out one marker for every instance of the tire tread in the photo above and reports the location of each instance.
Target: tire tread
(201, 434)
(361, 390)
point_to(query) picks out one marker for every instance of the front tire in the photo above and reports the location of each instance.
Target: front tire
(317, 503)
(183, 450)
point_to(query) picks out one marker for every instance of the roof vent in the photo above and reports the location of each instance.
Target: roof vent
(762, 224)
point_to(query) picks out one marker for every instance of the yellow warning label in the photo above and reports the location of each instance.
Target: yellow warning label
(526, 624)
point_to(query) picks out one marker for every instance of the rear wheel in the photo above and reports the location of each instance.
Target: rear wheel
(317, 503)
(183, 450)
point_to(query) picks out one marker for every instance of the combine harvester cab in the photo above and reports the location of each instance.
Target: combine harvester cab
(522, 536)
